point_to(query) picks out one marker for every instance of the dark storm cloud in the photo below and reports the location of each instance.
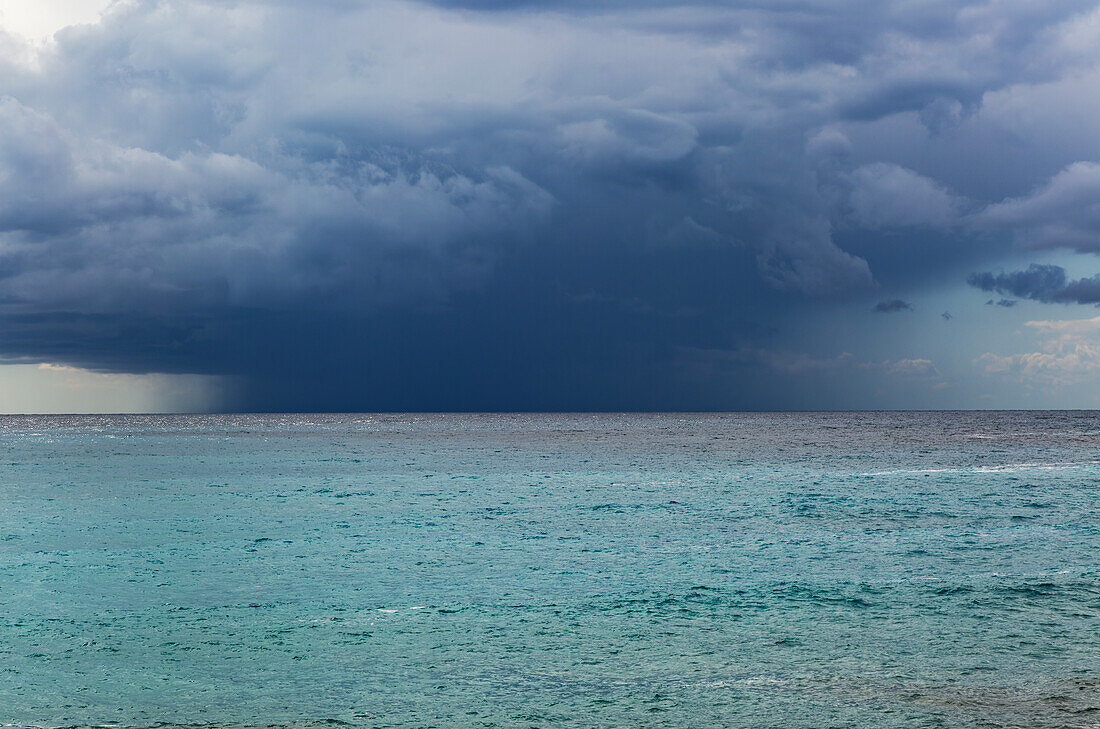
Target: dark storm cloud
(893, 305)
(505, 204)
(1040, 282)
(1037, 282)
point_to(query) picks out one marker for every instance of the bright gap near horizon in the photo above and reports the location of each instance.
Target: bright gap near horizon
(47, 389)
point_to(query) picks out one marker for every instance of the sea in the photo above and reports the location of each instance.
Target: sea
(863, 570)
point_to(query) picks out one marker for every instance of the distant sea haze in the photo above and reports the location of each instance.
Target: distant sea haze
(866, 570)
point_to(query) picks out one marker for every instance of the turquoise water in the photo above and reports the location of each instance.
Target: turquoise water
(794, 570)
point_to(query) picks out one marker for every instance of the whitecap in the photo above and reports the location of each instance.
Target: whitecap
(1003, 468)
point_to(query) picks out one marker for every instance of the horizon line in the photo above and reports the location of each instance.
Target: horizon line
(551, 412)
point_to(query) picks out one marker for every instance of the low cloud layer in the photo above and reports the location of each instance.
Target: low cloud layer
(1069, 354)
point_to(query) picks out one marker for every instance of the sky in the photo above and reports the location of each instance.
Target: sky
(342, 205)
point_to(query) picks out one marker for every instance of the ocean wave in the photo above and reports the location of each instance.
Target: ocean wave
(1002, 468)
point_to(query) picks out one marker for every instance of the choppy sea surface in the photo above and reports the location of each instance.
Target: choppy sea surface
(866, 570)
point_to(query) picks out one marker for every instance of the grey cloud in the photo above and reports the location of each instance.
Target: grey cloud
(799, 255)
(223, 89)
(1065, 212)
(893, 305)
(1040, 282)
(627, 136)
(887, 195)
(1082, 291)
(539, 107)
(104, 228)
